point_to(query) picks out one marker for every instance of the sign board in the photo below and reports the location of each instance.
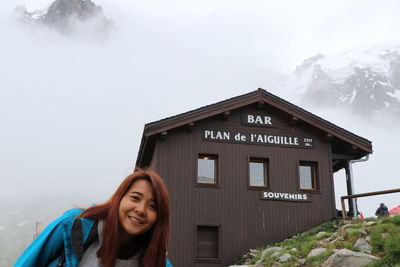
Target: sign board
(230, 136)
(257, 120)
(285, 196)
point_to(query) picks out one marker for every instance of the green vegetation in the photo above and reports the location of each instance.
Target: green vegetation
(384, 237)
(318, 260)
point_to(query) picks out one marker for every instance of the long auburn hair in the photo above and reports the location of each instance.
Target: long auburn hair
(155, 240)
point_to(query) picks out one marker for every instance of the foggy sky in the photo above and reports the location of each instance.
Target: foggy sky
(73, 107)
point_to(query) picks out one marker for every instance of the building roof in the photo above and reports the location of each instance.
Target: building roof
(332, 131)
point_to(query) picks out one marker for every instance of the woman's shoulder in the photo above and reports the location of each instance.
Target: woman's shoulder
(72, 212)
(71, 215)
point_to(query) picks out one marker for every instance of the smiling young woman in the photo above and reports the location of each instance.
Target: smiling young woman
(130, 229)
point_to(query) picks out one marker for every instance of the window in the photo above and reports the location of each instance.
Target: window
(207, 242)
(258, 172)
(308, 175)
(207, 166)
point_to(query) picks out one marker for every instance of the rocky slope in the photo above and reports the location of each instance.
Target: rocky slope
(64, 15)
(334, 244)
(366, 80)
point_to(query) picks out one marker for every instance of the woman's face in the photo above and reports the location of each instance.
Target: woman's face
(137, 211)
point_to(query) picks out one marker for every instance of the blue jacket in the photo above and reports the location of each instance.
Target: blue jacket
(46, 247)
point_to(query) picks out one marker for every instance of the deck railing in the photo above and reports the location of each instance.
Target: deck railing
(365, 195)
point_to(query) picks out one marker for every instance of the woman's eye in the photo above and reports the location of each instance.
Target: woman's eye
(135, 198)
(153, 206)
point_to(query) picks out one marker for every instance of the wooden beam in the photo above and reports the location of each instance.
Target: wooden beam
(373, 193)
(226, 114)
(260, 105)
(328, 137)
(343, 156)
(189, 126)
(390, 191)
(163, 135)
(294, 120)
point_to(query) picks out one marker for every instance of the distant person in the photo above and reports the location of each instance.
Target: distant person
(130, 229)
(382, 211)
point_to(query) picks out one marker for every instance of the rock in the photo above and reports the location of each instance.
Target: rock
(62, 14)
(254, 251)
(275, 255)
(347, 223)
(248, 256)
(363, 246)
(320, 235)
(332, 237)
(268, 251)
(293, 249)
(285, 257)
(348, 258)
(368, 238)
(301, 261)
(361, 231)
(370, 223)
(259, 264)
(316, 252)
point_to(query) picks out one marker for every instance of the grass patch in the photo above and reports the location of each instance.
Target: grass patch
(255, 259)
(384, 238)
(319, 259)
(396, 220)
(353, 236)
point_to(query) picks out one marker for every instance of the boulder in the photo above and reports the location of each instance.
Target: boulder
(285, 257)
(316, 252)
(320, 235)
(268, 251)
(301, 261)
(275, 255)
(348, 258)
(362, 246)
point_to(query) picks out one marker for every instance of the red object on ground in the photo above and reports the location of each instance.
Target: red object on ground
(362, 217)
(395, 211)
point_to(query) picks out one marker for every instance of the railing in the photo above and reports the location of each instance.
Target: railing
(365, 195)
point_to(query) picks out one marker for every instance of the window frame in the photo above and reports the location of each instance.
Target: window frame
(219, 245)
(266, 168)
(315, 183)
(215, 157)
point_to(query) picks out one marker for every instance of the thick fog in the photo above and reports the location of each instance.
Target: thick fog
(73, 106)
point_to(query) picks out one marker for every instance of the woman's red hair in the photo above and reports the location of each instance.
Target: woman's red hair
(154, 253)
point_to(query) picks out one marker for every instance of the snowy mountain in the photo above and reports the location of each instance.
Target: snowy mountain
(63, 15)
(366, 80)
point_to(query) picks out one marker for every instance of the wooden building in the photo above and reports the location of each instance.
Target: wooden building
(245, 172)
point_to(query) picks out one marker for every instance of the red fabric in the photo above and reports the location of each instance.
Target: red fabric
(395, 210)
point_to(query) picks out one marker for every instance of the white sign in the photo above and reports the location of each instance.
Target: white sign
(285, 196)
(258, 119)
(255, 138)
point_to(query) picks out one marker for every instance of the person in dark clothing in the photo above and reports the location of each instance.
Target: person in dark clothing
(382, 211)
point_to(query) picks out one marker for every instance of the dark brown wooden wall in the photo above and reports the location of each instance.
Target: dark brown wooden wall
(245, 220)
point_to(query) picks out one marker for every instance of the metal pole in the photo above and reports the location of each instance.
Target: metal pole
(353, 200)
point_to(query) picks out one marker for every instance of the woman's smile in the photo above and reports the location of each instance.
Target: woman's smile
(137, 211)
